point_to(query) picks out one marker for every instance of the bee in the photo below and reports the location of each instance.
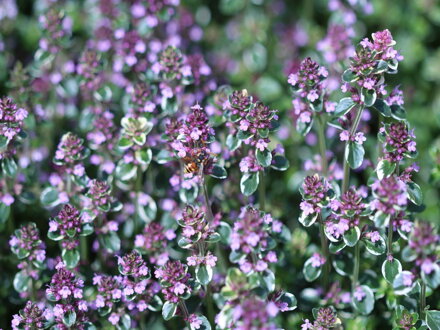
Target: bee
(197, 161)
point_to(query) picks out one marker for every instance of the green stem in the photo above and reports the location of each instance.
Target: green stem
(324, 169)
(209, 214)
(322, 145)
(422, 300)
(137, 189)
(326, 253)
(32, 292)
(262, 192)
(357, 250)
(353, 130)
(84, 250)
(183, 308)
(210, 307)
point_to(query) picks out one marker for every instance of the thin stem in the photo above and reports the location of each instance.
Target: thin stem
(326, 253)
(422, 300)
(324, 169)
(210, 307)
(209, 214)
(353, 130)
(390, 226)
(137, 189)
(84, 250)
(183, 308)
(357, 250)
(322, 145)
(32, 293)
(262, 192)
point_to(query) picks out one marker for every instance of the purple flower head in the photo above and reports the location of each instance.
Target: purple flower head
(109, 290)
(173, 278)
(100, 195)
(70, 152)
(133, 265)
(195, 226)
(390, 195)
(395, 97)
(370, 62)
(423, 241)
(67, 224)
(11, 118)
(399, 142)
(31, 317)
(171, 61)
(252, 313)
(239, 103)
(152, 239)
(64, 286)
(326, 318)
(336, 46)
(314, 192)
(141, 99)
(26, 243)
(307, 82)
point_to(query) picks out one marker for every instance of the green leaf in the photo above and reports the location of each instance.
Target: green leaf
(381, 219)
(366, 305)
(267, 280)
(111, 242)
(225, 231)
(9, 167)
(69, 318)
(70, 258)
(55, 235)
(163, 157)
(290, 300)
(351, 236)
(124, 143)
(355, 154)
(311, 273)
(204, 274)
(308, 220)
(232, 142)
(349, 76)
(432, 319)
(185, 243)
(140, 139)
(368, 96)
(383, 108)
(377, 248)
(5, 210)
(398, 284)
(414, 193)
(147, 212)
(397, 112)
(143, 156)
(87, 229)
(280, 163)
(344, 106)
(219, 172)
(204, 325)
(390, 269)
(335, 247)
(249, 183)
(3, 142)
(381, 66)
(385, 168)
(432, 279)
(264, 157)
(168, 310)
(21, 281)
(125, 171)
(244, 135)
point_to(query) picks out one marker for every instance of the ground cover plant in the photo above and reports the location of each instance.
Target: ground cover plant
(216, 165)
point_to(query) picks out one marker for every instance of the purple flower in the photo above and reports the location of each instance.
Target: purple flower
(359, 294)
(133, 265)
(390, 195)
(317, 260)
(31, 317)
(399, 141)
(314, 193)
(173, 278)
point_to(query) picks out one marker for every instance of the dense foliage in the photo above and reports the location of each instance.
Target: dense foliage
(225, 164)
